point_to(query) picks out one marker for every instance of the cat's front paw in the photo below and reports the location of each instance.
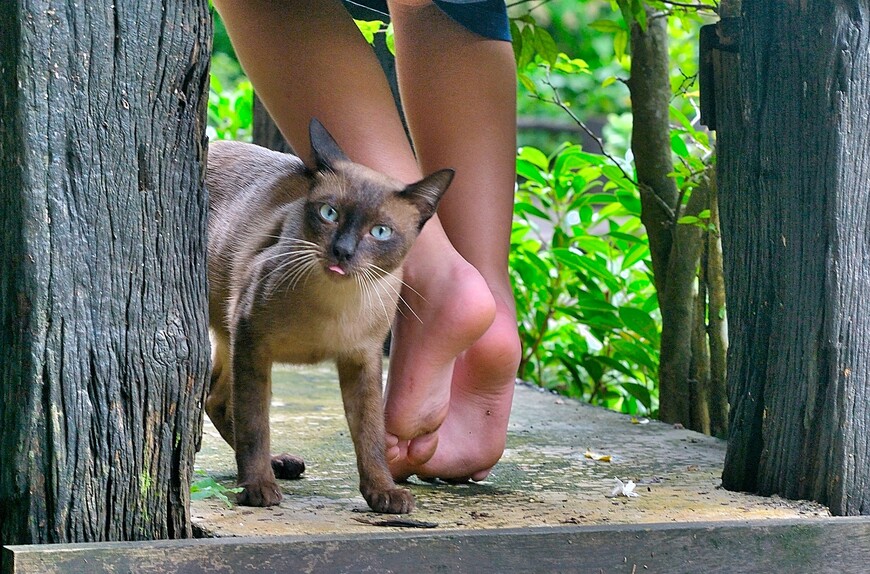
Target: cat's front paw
(390, 501)
(264, 493)
(286, 466)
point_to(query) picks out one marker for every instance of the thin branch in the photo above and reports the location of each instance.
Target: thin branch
(692, 6)
(519, 2)
(557, 100)
(643, 188)
(647, 190)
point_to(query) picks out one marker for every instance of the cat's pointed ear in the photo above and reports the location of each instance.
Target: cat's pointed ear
(427, 192)
(326, 152)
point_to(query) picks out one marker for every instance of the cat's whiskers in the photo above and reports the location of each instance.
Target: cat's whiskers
(367, 276)
(394, 276)
(295, 263)
(398, 293)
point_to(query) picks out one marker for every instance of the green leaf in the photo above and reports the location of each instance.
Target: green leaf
(607, 26)
(369, 28)
(639, 322)
(534, 156)
(617, 366)
(688, 220)
(391, 39)
(639, 13)
(628, 237)
(629, 200)
(640, 392)
(636, 253)
(528, 47)
(527, 82)
(679, 146)
(608, 81)
(545, 45)
(568, 159)
(516, 41)
(523, 207)
(620, 43)
(626, 9)
(588, 302)
(635, 353)
(531, 172)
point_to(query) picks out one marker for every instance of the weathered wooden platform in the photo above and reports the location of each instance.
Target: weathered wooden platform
(546, 507)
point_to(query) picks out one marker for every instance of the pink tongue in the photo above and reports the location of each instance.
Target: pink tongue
(337, 269)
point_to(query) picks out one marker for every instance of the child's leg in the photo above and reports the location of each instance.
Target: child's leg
(458, 92)
(306, 59)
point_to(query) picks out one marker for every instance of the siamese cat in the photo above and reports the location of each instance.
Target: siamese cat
(305, 265)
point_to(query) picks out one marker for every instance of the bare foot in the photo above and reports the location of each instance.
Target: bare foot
(452, 308)
(471, 438)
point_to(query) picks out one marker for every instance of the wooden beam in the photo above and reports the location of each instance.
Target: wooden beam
(828, 545)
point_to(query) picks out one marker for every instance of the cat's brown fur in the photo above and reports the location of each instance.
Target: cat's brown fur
(275, 298)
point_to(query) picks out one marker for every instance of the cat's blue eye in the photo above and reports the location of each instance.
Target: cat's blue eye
(381, 232)
(328, 212)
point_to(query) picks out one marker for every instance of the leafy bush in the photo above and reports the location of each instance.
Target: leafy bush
(579, 263)
(230, 111)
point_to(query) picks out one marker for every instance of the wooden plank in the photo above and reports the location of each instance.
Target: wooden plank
(838, 545)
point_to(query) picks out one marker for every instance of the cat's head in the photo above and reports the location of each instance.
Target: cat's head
(364, 221)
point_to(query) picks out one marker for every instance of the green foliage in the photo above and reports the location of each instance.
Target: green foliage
(230, 111)
(588, 311)
(207, 487)
(579, 263)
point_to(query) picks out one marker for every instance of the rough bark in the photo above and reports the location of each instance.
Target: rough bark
(794, 160)
(103, 329)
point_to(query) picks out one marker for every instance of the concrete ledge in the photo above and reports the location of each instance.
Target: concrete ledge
(544, 478)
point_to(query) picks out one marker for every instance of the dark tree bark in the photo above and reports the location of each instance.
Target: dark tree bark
(793, 108)
(103, 331)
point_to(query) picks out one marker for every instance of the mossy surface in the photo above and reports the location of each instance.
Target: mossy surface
(544, 478)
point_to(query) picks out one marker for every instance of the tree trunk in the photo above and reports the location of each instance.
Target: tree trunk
(675, 249)
(794, 162)
(103, 331)
(717, 326)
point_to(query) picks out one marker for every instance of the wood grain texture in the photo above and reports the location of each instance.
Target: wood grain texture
(837, 546)
(103, 328)
(794, 161)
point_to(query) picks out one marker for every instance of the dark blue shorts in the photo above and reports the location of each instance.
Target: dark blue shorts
(485, 17)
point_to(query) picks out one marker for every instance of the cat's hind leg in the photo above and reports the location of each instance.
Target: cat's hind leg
(219, 410)
(217, 404)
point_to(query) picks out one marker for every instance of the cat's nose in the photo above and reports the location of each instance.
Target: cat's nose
(344, 248)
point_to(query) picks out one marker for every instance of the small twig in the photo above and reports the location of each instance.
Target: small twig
(647, 190)
(685, 84)
(692, 6)
(396, 522)
(518, 2)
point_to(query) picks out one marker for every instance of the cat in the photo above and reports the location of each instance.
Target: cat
(305, 265)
